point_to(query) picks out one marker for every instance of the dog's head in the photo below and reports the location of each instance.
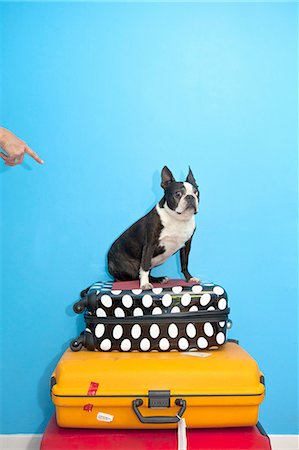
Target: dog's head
(181, 197)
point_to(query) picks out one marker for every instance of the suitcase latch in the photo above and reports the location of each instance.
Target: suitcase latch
(158, 399)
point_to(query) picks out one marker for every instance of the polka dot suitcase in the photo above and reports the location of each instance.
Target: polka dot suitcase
(221, 388)
(174, 316)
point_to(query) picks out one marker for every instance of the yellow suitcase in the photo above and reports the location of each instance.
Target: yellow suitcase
(221, 388)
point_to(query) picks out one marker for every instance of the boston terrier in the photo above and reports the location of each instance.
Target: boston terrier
(150, 241)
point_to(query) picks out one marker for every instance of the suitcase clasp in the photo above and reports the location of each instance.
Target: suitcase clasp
(158, 399)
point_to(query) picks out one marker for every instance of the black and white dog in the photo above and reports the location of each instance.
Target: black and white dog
(150, 241)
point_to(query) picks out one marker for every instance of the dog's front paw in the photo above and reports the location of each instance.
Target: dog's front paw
(194, 280)
(146, 286)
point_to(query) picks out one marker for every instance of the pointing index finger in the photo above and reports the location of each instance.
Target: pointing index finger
(3, 156)
(33, 155)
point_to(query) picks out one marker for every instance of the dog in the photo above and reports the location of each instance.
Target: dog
(150, 241)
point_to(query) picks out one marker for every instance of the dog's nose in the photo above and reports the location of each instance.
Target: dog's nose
(190, 198)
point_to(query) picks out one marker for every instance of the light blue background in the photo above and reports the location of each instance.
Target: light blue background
(108, 94)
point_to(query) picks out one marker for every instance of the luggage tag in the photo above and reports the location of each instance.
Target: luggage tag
(198, 354)
(182, 434)
(104, 417)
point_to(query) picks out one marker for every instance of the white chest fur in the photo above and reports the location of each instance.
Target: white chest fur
(175, 233)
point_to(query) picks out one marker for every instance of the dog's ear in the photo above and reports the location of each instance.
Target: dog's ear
(167, 177)
(190, 178)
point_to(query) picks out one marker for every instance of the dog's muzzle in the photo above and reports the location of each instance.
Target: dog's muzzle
(191, 202)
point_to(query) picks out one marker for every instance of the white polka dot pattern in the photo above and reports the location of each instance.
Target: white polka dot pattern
(202, 342)
(205, 299)
(137, 312)
(186, 299)
(220, 338)
(166, 300)
(218, 290)
(164, 344)
(125, 345)
(191, 330)
(173, 330)
(145, 344)
(177, 289)
(147, 301)
(183, 343)
(99, 330)
(116, 292)
(105, 345)
(137, 291)
(193, 308)
(154, 330)
(127, 332)
(136, 331)
(127, 301)
(117, 332)
(100, 312)
(196, 289)
(157, 290)
(208, 329)
(106, 301)
(222, 303)
(118, 312)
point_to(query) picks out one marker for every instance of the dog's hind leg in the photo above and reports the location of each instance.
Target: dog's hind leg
(158, 279)
(123, 269)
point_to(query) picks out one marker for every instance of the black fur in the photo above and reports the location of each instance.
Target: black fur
(127, 252)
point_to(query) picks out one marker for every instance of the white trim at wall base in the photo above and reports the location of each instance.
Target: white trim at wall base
(32, 441)
(20, 441)
(284, 441)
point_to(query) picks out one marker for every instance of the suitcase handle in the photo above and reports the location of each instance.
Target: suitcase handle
(159, 419)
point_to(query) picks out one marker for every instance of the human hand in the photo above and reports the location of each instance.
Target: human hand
(15, 149)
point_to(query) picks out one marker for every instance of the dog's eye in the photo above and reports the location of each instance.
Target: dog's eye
(178, 194)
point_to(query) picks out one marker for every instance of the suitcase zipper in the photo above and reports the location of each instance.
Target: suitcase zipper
(146, 396)
(181, 317)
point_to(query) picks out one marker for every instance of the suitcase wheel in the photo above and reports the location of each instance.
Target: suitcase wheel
(79, 306)
(77, 344)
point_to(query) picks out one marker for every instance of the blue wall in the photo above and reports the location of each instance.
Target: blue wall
(109, 93)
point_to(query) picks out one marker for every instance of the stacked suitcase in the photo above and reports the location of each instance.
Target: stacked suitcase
(173, 316)
(159, 360)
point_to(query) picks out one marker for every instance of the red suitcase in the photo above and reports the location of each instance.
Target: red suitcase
(247, 438)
